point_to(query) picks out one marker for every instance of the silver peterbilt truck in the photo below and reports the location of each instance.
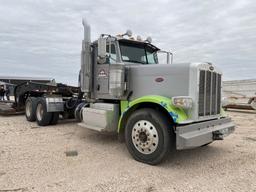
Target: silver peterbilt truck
(153, 105)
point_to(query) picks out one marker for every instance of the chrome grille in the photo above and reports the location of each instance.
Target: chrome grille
(209, 93)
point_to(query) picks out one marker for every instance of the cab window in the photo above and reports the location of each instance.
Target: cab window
(111, 59)
(134, 52)
(152, 57)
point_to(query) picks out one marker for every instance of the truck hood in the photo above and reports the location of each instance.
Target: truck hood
(162, 79)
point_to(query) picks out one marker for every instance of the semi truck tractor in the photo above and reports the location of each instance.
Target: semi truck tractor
(130, 87)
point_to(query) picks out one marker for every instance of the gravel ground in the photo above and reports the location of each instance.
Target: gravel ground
(33, 159)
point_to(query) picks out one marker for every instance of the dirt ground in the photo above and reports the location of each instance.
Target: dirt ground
(33, 159)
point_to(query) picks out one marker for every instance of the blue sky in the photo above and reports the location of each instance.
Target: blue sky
(43, 38)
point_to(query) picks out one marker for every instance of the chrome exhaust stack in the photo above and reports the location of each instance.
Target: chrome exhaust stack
(86, 63)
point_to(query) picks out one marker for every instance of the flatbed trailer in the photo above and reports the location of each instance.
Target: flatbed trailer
(70, 97)
(236, 104)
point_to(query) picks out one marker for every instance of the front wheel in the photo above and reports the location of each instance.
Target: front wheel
(55, 118)
(148, 136)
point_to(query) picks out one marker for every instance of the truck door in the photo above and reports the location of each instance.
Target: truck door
(101, 75)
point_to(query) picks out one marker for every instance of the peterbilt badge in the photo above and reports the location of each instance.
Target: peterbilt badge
(159, 79)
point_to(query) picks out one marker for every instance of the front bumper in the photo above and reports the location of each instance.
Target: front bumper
(198, 134)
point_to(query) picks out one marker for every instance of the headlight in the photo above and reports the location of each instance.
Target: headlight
(182, 102)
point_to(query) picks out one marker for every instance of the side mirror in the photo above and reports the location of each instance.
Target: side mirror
(102, 52)
(170, 59)
(164, 57)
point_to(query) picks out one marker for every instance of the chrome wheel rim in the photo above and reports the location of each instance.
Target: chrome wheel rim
(39, 112)
(28, 109)
(145, 137)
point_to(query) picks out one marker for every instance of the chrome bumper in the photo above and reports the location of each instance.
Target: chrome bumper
(198, 134)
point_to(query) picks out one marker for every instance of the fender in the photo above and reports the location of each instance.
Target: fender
(177, 114)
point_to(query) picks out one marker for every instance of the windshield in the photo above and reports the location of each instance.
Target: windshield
(138, 53)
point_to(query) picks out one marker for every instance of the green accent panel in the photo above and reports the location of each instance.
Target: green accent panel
(124, 108)
(124, 105)
(223, 113)
(177, 114)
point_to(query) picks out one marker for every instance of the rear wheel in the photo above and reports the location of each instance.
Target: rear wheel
(30, 109)
(43, 117)
(148, 136)
(55, 118)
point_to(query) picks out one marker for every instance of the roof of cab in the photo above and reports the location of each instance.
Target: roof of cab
(138, 42)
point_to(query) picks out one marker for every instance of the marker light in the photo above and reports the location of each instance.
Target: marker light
(149, 39)
(139, 38)
(128, 33)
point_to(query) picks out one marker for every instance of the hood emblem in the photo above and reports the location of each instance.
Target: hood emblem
(211, 68)
(159, 79)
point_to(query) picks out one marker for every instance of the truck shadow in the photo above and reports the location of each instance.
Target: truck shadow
(192, 157)
(96, 137)
(66, 121)
(177, 159)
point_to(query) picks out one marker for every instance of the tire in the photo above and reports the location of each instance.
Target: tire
(150, 128)
(30, 109)
(55, 118)
(43, 117)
